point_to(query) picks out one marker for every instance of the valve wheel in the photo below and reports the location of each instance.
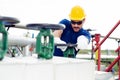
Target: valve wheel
(44, 26)
(68, 45)
(8, 20)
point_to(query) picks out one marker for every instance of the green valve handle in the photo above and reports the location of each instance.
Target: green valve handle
(4, 41)
(45, 39)
(45, 44)
(70, 51)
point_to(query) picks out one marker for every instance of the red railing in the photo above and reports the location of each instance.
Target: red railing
(98, 47)
(116, 25)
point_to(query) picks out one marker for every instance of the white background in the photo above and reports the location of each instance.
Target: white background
(102, 15)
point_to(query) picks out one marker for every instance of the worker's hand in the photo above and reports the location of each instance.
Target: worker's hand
(82, 42)
(59, 41)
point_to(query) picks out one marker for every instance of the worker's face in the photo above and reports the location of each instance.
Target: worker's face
(77, 25)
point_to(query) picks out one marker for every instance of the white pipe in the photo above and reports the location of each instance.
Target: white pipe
(19, 40)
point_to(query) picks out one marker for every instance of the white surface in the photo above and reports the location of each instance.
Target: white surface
(58, 68)
(100, 75)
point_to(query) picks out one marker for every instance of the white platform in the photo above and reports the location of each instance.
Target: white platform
(58, 68)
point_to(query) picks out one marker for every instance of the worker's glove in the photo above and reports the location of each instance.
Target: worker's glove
(82, 42)
(59, 41)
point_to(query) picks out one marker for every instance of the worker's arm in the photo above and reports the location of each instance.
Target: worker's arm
(57, 33)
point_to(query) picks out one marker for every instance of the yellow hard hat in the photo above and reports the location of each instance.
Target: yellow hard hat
(77, 13)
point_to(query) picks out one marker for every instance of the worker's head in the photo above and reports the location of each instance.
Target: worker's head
(77, 17)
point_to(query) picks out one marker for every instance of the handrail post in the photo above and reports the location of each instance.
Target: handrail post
(97, 39)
